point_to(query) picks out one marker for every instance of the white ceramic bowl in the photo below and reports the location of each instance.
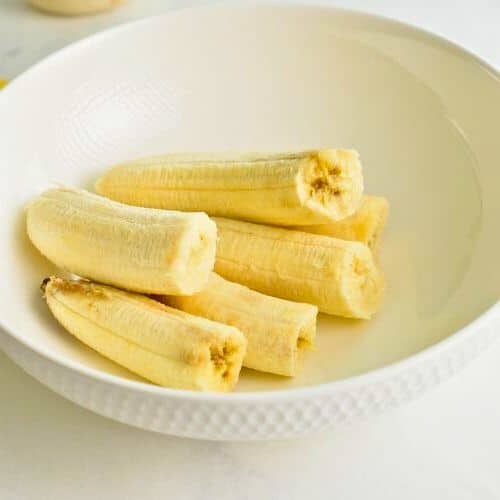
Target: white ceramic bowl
(424, 115)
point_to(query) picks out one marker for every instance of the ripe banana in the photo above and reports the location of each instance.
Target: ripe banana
(139, 249)
(164, 345)
(365, 225)
(276, 330)
(312, 187)
(338, 276)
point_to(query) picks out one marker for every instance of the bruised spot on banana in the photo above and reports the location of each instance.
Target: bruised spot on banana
(277, 330)
(163, 345)
(139, 249)
(365, 225)
(286, 189)
(338, 276)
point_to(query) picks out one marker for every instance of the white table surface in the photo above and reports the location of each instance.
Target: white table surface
(445, 445)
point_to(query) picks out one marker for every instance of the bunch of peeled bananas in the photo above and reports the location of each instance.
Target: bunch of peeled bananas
(194, 265)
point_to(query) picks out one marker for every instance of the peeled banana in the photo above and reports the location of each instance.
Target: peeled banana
(276, 330)
(338, 276)
(164, 345)
(139, 249)
(311, 187)
(365, 225)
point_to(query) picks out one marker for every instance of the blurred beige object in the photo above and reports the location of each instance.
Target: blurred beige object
(74, 7)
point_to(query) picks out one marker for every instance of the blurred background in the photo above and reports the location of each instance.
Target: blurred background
(28, 34)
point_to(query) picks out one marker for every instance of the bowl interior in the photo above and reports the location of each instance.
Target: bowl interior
(423, 115)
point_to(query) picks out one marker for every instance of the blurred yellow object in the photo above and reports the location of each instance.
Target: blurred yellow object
(74, 7)
(3, 83)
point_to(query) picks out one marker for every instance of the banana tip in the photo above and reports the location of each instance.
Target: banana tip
(43, 286)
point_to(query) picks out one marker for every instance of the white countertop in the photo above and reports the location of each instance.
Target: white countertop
(446, 445)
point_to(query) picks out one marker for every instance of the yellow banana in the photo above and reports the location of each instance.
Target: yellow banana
(365, 225)
(312, 187)
(139, 249)
(276, 330)
(164, 345)
(338, 276)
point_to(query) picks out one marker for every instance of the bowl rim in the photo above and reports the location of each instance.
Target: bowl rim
(490, 314)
